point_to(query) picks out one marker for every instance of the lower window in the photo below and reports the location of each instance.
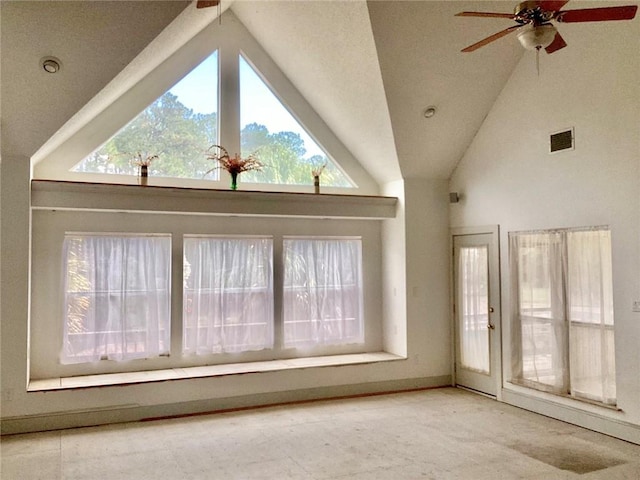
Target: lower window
(116, 297)
(205, 291)
(228, 294)
(562, 320)
(322, 292)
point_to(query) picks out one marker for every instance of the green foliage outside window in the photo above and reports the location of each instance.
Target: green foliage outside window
(283, 155)
(180, 138)
(168, 129)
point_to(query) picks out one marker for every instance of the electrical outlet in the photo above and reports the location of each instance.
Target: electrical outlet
(636, 306)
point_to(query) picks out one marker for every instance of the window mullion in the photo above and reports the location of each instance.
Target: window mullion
(177, 308)
(229, 98)
(566, 303)
(278, 294)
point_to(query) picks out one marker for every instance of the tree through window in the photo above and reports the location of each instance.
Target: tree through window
(269, 131)
(183, 123)
(178, 127)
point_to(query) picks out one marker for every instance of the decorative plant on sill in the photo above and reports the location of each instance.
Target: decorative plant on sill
(316, 172)
(235, 165)
(143, 163)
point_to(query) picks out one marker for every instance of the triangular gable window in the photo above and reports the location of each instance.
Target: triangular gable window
(269, 130)
(236, 97)
(178, 127)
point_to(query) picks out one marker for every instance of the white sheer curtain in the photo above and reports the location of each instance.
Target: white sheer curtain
(591, 315)
(473, 305)
(562, 311)
(541, 330)
(228, 294)
(322, 292)
(117, 297)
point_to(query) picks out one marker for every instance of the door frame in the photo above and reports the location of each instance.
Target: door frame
(496, 318)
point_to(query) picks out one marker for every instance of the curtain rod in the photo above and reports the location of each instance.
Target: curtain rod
(561, 230)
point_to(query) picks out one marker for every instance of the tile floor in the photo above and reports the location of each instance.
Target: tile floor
(434, 434)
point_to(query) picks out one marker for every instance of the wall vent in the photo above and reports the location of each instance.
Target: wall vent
(560, 141)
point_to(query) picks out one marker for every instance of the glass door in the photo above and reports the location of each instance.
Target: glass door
(475, 320)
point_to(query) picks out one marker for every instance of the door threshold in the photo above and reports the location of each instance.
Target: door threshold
(472, 390)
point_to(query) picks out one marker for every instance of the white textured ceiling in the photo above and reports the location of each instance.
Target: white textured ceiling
(93, 40)
(419, 47)
(369, 69)
(369, 97)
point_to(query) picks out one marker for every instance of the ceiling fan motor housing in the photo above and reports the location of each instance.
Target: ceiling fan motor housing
(531, 12)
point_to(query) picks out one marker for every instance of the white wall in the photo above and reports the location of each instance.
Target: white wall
(415, 269)
(507, 177)
(427, 259)
(14, 278)
(394, 273)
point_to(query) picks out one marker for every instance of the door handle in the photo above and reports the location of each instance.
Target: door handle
(491, 310)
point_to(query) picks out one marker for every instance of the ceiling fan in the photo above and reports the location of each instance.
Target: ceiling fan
(207, 3)
(534, 19)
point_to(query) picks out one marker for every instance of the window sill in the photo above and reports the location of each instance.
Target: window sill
(522, 387)
(61, 195)
(129, 378)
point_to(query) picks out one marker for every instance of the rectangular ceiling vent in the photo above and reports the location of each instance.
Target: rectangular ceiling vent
(560, 141)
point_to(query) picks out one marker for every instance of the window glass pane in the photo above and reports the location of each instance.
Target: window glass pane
(322, 292)
(593, 363)
(543, 353)
(178, 127)
(473, 301)
(591, 314)
(117, 297)
(277, 139)
(228, 295)
(543, 331)
(534, 260)
(565, 312)
(590, 276)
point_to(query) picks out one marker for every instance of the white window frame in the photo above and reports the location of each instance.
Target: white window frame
(49, 227)
(324, 319)
(116, 343)
(558, 318)
(216, 328)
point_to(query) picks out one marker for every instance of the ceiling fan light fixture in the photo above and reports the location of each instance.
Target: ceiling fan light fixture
(537, 37)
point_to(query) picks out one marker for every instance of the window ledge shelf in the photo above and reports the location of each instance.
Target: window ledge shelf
(130, 378)
(62, 195)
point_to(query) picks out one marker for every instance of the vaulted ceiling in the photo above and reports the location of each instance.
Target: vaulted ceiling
(368, 68)
(93, 40)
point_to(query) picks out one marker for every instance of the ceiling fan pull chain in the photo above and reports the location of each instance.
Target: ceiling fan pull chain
(538, 60)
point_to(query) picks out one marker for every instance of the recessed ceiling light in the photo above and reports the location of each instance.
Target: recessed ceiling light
(50, 64)
(429, 111)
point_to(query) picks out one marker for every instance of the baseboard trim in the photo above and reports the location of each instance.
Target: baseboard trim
(591, 420)
(133, 413)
